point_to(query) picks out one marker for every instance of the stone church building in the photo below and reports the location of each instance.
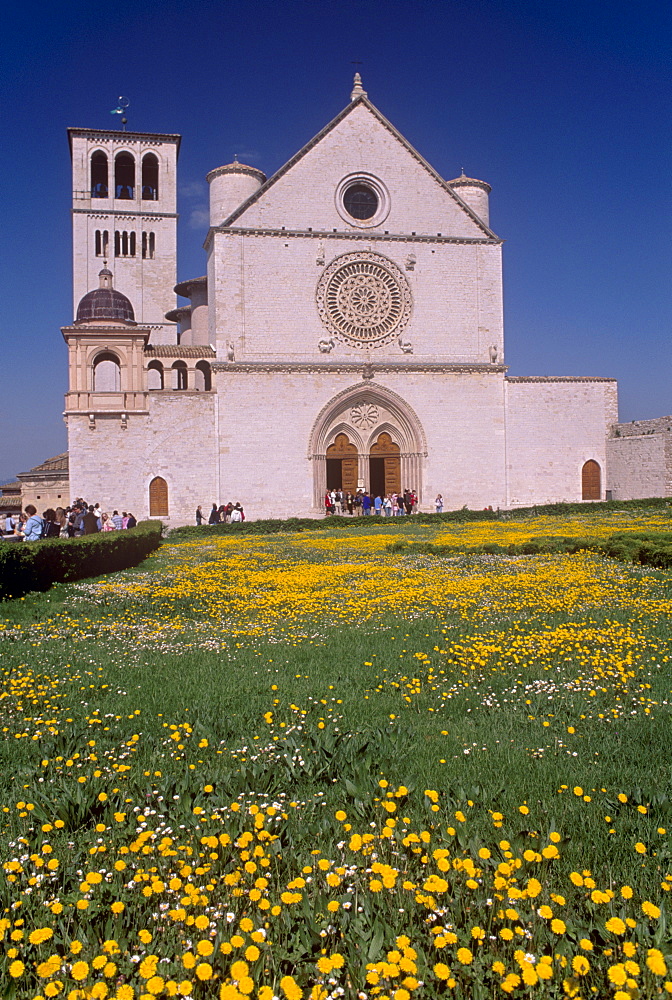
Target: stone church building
(348, 331)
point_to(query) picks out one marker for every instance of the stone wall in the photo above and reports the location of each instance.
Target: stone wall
(554, 426)
(640, 459)
(114, 466)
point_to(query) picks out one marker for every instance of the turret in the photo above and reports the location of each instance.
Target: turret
(475, 194)
(230, 186)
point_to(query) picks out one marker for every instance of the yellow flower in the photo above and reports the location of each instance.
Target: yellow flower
(650, 909)
(40, 935)
(441, 971)
(290, 988)
(615, 925)
(655, 962)
(617, 975)
(79, 971)
(204, 971)
(239, 969)
(16, 969)
(558, 926)
(580, 965)
(464, 956)
(640, 847)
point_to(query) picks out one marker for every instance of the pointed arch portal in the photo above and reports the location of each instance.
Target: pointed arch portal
(367, 437)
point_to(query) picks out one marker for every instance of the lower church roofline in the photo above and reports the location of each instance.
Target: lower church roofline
(559, 378)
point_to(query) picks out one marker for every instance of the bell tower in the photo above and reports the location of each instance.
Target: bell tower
(124, 210)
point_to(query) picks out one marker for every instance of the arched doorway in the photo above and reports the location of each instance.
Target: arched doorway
(591, 481)
(384, 466)
(342, 465)
(361, 414)
(158, 497)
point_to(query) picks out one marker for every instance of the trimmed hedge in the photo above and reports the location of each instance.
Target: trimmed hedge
(26, 566)
(335, 522)
(645, 549)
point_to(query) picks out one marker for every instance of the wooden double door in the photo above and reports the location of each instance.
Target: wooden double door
(384, 462)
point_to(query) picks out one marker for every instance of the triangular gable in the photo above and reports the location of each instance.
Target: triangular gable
(245, 215)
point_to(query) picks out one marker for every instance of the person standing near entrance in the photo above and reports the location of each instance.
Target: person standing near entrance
(378, 504)
(366, 504)
(387, 507)
(438, 503)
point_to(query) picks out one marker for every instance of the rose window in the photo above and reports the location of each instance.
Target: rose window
(364, 299)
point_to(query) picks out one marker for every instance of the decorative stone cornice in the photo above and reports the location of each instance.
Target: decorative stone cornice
(100, 214)
(112, 135)
(559, 378)
(366, 369)
(358, 236)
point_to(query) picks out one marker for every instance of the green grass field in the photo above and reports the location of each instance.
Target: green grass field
(308, 765)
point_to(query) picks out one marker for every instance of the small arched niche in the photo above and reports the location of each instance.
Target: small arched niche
(124, 177)
(99, 177)
(106, 373)
(150, 177)
(203, 377)
(155, 375)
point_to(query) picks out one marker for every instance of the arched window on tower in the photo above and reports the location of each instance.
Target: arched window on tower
(106, 373)
(158, 497)
(179, 375)
(99, 243)
(150, 177)
(203, 377)
(99, 175)
(124, 176)
(591, 481)
(155, 375)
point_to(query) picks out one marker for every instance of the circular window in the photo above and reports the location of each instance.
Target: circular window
(361, 201)
(363, 299)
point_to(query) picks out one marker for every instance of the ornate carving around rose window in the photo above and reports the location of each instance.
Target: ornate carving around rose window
(363, 299)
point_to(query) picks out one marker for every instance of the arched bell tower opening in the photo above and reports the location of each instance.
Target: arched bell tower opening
(370, 428)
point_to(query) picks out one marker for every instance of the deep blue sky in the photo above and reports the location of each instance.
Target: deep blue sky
(563, 107)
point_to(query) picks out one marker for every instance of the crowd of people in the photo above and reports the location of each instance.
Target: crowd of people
(226, 513)
(78, 519)
(363, 503)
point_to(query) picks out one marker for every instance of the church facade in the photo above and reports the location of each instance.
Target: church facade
(348, 332)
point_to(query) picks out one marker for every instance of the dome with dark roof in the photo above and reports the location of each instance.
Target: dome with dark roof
(105, 303)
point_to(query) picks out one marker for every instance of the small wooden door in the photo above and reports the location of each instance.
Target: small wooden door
(591, 481)
(158, 497)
